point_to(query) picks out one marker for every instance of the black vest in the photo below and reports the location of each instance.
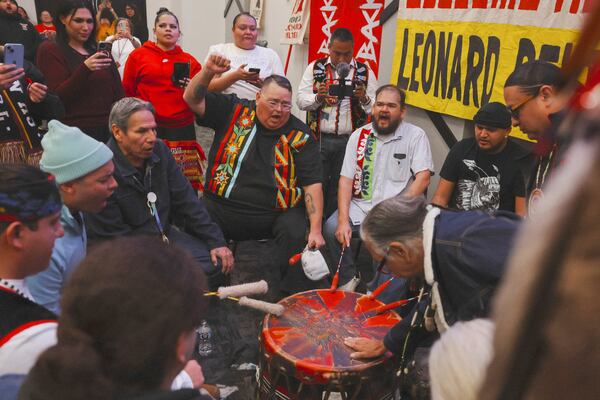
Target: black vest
(320, 73)
(16, 312)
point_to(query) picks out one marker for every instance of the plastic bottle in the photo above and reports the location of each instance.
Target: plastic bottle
(205, 347)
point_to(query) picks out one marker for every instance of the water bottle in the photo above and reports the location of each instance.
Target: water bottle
(205, 346)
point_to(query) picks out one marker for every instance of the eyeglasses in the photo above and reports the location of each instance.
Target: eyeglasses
(382, 268)
(275, 104)
(516, 110)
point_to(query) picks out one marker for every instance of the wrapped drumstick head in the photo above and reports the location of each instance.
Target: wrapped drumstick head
(245, 289)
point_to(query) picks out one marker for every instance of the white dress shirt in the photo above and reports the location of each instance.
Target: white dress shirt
(397, 158)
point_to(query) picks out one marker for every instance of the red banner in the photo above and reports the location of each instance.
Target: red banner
(360, 16)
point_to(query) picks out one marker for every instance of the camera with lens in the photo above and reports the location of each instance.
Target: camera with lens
(341, 90)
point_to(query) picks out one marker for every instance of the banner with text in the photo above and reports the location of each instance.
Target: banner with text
(454, 56)
(360, 16)
(293, 32)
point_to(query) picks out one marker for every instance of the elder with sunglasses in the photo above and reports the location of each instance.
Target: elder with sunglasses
(264, 173)
(460, 255)
(532, 95)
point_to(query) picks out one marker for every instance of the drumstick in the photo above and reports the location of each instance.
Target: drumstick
(269, 308)
(381, 288)
(295, 258)
(399, 303)
(336, 277)
(244, 289)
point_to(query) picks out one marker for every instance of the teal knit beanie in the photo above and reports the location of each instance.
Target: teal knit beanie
(70, 154)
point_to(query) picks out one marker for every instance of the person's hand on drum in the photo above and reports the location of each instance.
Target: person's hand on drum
(365, 348)
(226, 257)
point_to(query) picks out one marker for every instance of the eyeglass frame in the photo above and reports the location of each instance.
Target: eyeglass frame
(516, 111)
(279, 105)
(381, 267)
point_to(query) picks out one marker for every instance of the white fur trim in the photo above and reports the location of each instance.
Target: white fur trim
(428, 229)
(439, 316)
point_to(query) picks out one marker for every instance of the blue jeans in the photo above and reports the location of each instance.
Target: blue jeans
(397, 289)
(347, 267)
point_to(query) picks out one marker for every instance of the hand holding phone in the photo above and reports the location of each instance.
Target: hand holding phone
(98, 61)
(9, 74)
(181, 73)
(105, 47)
(13, 54)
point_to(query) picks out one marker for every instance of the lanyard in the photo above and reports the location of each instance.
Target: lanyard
(151, 203)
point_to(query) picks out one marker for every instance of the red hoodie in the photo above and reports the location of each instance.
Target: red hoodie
(148, 76)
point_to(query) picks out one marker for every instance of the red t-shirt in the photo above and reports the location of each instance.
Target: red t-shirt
(41, 28)
(147, 76)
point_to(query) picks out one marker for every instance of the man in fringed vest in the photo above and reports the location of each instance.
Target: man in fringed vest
(29, 224)
(332, 115)
(384, 158)
(264, 174)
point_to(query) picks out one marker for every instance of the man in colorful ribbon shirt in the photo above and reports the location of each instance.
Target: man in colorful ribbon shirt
(383, 159)
(264, 174)
(153, 192)
(332, 115)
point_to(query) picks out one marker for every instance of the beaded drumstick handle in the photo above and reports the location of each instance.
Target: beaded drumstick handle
(336, 277)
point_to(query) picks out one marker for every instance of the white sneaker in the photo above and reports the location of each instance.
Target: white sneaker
(351, 285)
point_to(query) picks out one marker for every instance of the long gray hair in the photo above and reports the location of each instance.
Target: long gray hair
(123, 109)
(397, 219)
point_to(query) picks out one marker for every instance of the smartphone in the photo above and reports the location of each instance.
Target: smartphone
(257, 70)
(13, 54)
(105, 47)
(122, 26)
(181, 70)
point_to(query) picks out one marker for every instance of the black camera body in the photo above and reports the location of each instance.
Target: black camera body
(342, 90)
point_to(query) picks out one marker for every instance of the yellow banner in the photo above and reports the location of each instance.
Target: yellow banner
(455, 67)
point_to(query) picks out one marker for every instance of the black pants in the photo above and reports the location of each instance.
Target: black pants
(333, 149)
(200, 252)
(288, 228)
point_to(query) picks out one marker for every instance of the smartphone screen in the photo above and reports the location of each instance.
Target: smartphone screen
(13, 54)
(181, 70)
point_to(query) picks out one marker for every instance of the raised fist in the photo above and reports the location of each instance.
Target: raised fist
(217, 64)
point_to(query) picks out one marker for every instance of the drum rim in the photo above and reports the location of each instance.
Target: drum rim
(269, 344)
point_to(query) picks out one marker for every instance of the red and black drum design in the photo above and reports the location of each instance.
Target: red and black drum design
(303, 355)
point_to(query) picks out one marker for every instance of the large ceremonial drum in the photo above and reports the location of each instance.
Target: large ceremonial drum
(303, 355)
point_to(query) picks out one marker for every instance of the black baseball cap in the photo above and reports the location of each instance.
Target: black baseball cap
(494, 115)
